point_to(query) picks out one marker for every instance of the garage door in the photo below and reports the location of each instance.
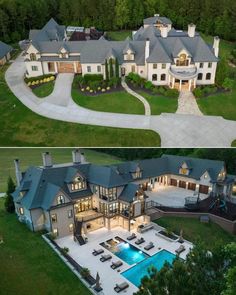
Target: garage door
(192, 186)
(182, 184)
(173, 182)
(203, 189)
(65, 67)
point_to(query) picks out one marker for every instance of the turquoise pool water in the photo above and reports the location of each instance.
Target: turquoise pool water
(126, 252)
(136, 273)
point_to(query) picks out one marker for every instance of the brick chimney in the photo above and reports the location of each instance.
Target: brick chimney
(18, 172)
(76, 156)
(216, 46)
(191, 30)
(47, 160)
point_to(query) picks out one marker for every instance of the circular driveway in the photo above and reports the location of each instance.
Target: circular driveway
(176, 130)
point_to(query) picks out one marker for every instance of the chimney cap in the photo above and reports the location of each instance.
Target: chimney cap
(156, 14)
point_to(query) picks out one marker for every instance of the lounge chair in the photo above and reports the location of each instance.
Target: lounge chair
(131, 237)
(140, 241)
(180, 249)
(97, 252)
(116, 264)
(105, 257)
(121, 287)
(149, 246)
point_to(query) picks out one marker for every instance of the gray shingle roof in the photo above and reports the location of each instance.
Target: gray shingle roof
(129, 192)
(153, 20)
(4, 49)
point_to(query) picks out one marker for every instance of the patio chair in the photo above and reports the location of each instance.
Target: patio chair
(97, 252)
(180, 249)
(121, 287)
(140, 241)
(149, 246)
(116, 264)
(131, 237)
(105, 258)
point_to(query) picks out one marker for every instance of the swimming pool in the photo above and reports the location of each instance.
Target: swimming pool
(124, 250)
(136, 273)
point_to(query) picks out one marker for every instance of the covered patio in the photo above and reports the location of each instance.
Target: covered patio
(183, 78)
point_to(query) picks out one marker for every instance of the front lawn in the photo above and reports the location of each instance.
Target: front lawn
(21, 127)
(193, 230)
(115, 102)
(28, 265)
(160, 104)
(118, 35)
(44, 90)
(219, 105)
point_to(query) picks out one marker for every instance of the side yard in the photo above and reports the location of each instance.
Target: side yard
(29, 265)
(210, 234)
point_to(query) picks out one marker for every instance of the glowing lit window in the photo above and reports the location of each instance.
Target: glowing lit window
(21, 210)
(54, 218)
(71, 226)
(60, 200)
(55, 231)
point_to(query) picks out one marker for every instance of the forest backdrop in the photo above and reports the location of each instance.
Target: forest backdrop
(213, 17)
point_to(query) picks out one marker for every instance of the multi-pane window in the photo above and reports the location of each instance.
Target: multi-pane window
(154, 66)
(200, 76)
(208, 76)
(113, 208)
(210, 65)
(163, 66)
(60, 200)
(154, 77)
(54, 218)
(70, 213)
(89, 69)
(32, 56)
(163, 77)
(137, 174)
(108, 194)
(21, 210)
(124, 209)
(78, 184)
(182, 61)
(99, 69)
(34, 68)
(201, 65)
(55, 231)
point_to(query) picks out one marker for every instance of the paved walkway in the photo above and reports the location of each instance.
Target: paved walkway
(138, 96)
(176, 130)
(187, 104)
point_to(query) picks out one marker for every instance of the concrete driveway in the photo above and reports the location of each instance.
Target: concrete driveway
(171, 196)
(176, 130)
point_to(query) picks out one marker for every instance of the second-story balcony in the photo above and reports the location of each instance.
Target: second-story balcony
(88, 215)
(183, 73)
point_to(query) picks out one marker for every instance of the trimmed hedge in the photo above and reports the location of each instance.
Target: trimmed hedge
(92, 77)
(27, 80)
(202, 91)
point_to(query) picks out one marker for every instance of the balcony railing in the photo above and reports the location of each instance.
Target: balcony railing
(89, 217)
(183, 73)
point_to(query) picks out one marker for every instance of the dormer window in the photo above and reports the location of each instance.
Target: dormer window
(137, 174)
(182, 61)
(64, 55)
(32, 56)
(129, 55)
(183, 171)
(60, 200)
(78, 184)
(22, 193)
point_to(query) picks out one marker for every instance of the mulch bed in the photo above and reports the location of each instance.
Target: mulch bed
(112, 90)
(204, 208)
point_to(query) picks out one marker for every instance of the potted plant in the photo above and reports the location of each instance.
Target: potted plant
(85, 272)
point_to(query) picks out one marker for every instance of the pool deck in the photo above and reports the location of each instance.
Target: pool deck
(109, 277)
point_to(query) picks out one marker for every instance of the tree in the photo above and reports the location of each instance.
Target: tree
(106, 70)
(122, 13)
(9, 204)
(228, 84)
(117, 68)
(111, 68)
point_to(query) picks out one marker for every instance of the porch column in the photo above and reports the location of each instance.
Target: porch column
(190, 85)
(108, 224)
(180, 85)
(55, 65)
(129, 225)
(194, 83)
(75, 69)
(173, 82)
(169, 80)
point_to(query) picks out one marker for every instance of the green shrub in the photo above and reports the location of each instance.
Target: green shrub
(94, 85)
(92, 77)
(80, 80)
(27, 80)
(228, 84)
(162, 90)
(155, 90)
(198, 92)
(148, 85)
(9, 203)
(85, 272)
(174, 93)
(64, 250)
(114, 82)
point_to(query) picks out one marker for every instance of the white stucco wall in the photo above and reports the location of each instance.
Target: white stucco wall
(93, 69)
(159, 71)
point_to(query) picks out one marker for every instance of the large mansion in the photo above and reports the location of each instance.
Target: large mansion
(157, 52)
(59, 198)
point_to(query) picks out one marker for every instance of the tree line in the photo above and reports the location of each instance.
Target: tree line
(213, 17)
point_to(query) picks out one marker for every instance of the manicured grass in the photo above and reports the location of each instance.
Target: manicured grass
(233, 144)
(29, 157)
(219, 105)
(160, 104)
(22, 127)
(193, 230)
(44, 89)
(119, 35)
(116, 102)
(28, 265)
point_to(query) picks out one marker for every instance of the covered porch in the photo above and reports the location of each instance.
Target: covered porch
(183, 79)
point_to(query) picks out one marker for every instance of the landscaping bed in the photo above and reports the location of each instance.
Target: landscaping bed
(41, 86)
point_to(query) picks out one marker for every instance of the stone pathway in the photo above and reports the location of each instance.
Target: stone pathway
(138, 96)
(187, 104)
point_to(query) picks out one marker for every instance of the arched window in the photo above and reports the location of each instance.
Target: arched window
(182, 61)
(163, 77)
(199, 76)
(32, 56)
(60, 200)
(154, 77)
(208, 76)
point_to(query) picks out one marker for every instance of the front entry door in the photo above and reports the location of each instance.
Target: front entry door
(123, 72)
